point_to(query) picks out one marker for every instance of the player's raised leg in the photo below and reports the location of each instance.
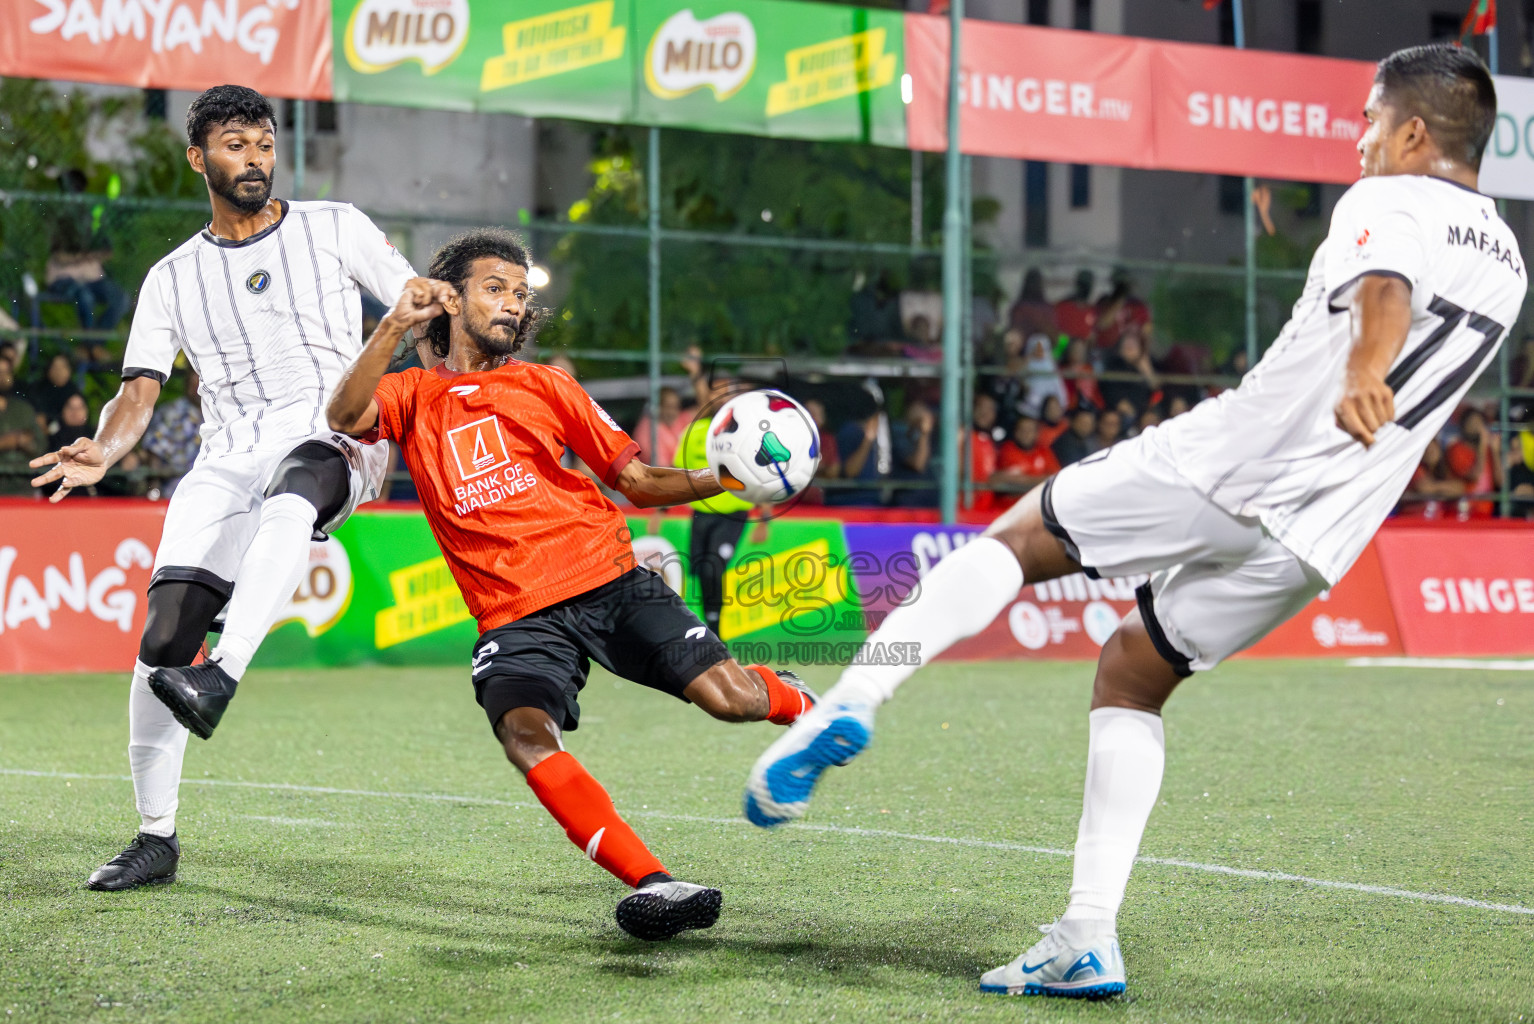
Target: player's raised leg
(957, 599)
(176, 622)
(310, 487)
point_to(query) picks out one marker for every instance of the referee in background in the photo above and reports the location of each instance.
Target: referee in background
(718, 522)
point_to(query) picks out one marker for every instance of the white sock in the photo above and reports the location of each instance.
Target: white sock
(957, 599)
(156, 742)
(1125, 758)
(271, 570)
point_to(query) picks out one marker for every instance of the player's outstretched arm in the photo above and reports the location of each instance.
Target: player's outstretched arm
(656, 486)
(1381, 313)
(85, 462)
(351, 409)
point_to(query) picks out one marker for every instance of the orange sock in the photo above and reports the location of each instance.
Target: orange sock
(784, 703)
(579, 803)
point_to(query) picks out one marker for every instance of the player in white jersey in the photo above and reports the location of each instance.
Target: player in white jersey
(264, 303)
(1243, 509)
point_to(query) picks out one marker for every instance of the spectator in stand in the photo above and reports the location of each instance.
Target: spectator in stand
(75, 269)
(830, 461)
(1237, 365)
(982, 451)
(1023, 462)
(1131, 357)
(1522, 371)
(922, 341)
(1520, 478)
(1149, 418)
(175, 434)
(1080, 440)
(911, 445)
(1076, 317)
(1009, 387)
(1110, 428)
(58, 386)
(21, 437)
(875, 313)
(74, 422)
(1032, 313)
(1120, 310)
(1052, 420)
(858, 443)
(1175, 406)
(1080, 376)
(1431, 483)
(1473, 459)
(669, 429)
(1044, 380)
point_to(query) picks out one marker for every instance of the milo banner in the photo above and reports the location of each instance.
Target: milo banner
(763, 67)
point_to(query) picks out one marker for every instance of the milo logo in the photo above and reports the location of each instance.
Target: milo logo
(687, 54)
(383, 33)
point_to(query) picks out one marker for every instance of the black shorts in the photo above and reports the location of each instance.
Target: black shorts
(635, 626)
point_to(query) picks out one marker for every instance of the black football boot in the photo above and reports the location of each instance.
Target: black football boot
(148, 860)
(197, 694)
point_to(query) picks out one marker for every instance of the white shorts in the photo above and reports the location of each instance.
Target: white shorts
(1219, 582)
(216, 508)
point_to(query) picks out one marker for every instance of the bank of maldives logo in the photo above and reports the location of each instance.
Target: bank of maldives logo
(258, 282)
(478, 447)
(383, 33)
(687, 54)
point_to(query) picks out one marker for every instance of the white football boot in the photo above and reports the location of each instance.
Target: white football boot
(1054, 967)
(779, 786)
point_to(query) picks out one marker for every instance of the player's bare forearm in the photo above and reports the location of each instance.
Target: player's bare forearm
(351, 409)
(658, 486)
(125, 418)
(1381, 317)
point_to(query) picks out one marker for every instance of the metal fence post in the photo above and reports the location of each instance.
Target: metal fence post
(953, 280)
(652, 182)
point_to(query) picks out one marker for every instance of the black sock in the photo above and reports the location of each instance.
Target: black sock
(653, 877)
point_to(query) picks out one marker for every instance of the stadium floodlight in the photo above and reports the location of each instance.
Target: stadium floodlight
(538, 277)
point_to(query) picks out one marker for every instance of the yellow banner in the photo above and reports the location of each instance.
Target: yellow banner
(426, 599)
(772, 589)
(551, 44)
(831, 70)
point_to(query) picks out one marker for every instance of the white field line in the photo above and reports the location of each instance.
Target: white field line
(1526, 665)
(844, 830)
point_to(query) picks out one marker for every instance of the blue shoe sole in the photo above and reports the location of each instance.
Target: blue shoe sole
(792, 779)
(1112, 988)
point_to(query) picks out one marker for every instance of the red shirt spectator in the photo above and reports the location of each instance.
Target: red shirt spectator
(672, 425)
(1117, 310)
(1080, 377)
(1024, 459)
(982, 452)
(1032, 313)
(1472, 458)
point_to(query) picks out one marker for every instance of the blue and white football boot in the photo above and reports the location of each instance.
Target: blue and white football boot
(1053, 967)
(831, 733)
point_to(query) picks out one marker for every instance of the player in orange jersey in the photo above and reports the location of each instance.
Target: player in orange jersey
(541, 555)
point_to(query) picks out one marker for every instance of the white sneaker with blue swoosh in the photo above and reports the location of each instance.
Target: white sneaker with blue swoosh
(829, 734)
(1053, 967)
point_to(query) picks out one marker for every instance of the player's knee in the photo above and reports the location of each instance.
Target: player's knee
(1131, 673)
(528, 736)
(174, 627)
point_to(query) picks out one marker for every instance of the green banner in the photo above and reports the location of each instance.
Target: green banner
(380, 592)
(756, 67)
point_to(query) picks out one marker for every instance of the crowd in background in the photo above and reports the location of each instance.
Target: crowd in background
(1056, 381)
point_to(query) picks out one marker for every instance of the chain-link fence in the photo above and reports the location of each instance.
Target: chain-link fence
(851, 322)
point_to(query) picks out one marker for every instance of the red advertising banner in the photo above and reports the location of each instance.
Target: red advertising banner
(1460, 590)
(72, 582)
(279, 47)
(1037, 93)
(1034, 93)
(1268, 115)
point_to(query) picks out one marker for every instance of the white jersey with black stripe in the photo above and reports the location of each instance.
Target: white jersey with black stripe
(1271, 448)
(269, 323)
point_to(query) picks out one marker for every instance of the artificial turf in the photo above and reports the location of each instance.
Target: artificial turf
(384, 904)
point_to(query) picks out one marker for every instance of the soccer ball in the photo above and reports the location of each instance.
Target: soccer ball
(763, 447)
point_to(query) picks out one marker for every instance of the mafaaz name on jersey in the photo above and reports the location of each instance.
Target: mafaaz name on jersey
(1487, 244)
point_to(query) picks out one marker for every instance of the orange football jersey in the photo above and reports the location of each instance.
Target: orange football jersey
(519, 531)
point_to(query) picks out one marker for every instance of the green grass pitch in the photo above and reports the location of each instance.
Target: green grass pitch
(363, 898)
